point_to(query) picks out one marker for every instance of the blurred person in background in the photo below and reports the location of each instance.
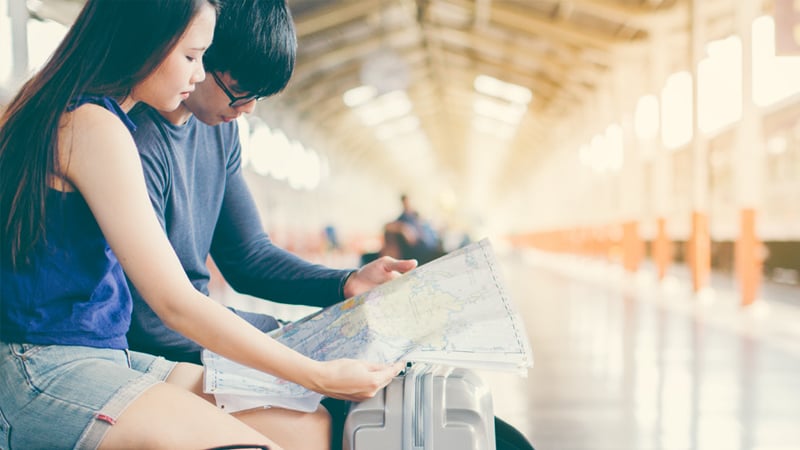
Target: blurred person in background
(409, 236)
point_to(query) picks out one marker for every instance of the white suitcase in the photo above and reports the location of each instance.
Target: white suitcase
(430, 407)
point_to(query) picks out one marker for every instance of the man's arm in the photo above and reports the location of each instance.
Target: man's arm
(252, 264)
(155, 163)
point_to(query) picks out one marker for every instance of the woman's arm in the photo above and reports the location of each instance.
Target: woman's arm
(101, 162)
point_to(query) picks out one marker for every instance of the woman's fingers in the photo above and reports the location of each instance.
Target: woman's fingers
(360, 380)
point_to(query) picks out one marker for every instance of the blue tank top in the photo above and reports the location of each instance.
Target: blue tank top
(74, 291)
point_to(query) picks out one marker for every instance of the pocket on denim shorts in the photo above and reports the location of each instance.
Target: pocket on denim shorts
(25, 351)
(36, 362)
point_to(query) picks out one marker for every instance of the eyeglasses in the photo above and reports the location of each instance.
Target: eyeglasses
(235, 101)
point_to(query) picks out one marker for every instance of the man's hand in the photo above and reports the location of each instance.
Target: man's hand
(377, 272)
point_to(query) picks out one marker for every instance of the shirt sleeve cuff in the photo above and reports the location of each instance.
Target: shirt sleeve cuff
(344, 281)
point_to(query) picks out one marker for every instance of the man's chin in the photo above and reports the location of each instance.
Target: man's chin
(208, 119)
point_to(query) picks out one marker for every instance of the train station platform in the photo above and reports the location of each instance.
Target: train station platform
(627, 362)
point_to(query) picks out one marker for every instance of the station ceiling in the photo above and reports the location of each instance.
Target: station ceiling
(575, 58)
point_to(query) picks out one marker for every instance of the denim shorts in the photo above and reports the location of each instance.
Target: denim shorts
(55, 396)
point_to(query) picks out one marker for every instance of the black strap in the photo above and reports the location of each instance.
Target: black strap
(240, 446)
(509, 438)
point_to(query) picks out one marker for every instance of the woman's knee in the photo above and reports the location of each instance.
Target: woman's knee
(293, 430)
(320, 419)
(320, 422)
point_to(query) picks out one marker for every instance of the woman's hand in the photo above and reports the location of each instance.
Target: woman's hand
(354, 380)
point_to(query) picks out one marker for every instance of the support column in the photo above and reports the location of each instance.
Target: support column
(18, 13)
(631, 246)
(699, 248)
(631, 184)
(749, 261)
(661, 164)
(662, 248)
(748, 168)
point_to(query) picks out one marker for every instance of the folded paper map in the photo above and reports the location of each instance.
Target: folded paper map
(453, 311)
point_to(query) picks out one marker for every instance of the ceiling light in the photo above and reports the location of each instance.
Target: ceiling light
(510, 92)
(396, 128)
(510, 113)
(389, 106)
(359, 96)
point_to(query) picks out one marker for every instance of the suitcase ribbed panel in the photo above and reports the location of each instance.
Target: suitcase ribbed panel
(429, 408)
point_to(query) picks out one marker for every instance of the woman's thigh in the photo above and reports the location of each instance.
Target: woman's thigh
(169, 417)
(278, 424)
(189, 377)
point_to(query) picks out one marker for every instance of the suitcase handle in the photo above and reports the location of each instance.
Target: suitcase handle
(414, 415)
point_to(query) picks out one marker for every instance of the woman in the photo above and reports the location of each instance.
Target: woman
(72, 190)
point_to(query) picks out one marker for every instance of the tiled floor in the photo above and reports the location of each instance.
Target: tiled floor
(625, 362)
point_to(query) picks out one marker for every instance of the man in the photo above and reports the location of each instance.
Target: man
(409, 236)
(192, 164)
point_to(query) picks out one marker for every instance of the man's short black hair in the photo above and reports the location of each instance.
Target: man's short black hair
(255, 43)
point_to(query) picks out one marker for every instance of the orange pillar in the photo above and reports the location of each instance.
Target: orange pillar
(631, 246)
(748, 257)
(749, 163)
(662, 248)
(699, 254)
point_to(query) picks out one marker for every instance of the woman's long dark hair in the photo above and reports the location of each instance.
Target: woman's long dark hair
(112, 46)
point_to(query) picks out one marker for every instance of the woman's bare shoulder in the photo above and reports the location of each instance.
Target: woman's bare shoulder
(91, 127)
(91, 138)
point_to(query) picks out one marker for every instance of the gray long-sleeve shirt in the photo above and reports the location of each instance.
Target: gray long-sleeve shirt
(194, 178)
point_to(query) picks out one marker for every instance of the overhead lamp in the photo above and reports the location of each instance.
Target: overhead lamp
(359, 95)
(510, 113)
(510, 92)
(388, 106)
(390, 130)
